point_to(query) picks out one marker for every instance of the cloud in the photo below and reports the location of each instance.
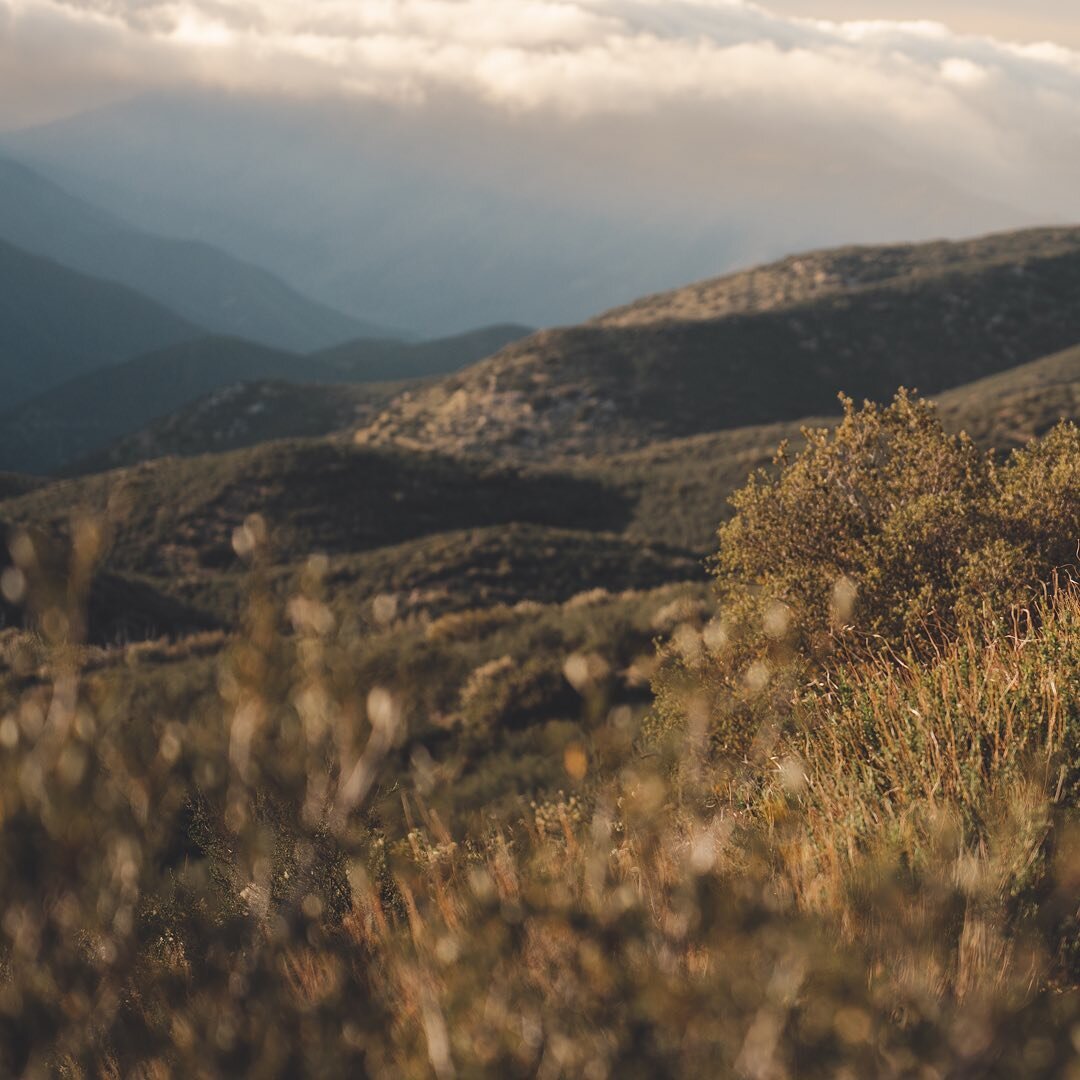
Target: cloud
(1000, 119)
(574, 55)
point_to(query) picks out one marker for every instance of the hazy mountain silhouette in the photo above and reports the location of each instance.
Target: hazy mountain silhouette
(195, 279)
(56, 323)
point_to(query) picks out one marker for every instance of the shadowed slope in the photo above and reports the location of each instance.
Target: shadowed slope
(773, 344)
(178, 515)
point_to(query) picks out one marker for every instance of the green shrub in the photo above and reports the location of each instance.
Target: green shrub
(891, 529)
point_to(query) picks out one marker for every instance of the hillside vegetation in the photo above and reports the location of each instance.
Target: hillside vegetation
(717, 748)
(1009, 409)
(681, 487)
(148, 398)
(346, 839)
(243, 414)
(773, 344)
(171, 516)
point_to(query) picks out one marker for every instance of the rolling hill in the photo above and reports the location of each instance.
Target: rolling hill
(680, 487)
(75, 420)
(177, 516)
(772, 344)
(459, 571)
(1008, 409)
(203, 284)
(14, 484)
(118, 608)
(56, 323)
(360, 208)
(245, 414)
(69, 421)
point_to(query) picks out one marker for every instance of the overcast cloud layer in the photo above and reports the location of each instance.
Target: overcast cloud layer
(790, 130)
(1007, 112)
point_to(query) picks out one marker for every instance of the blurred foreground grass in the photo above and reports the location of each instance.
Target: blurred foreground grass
(843, 842)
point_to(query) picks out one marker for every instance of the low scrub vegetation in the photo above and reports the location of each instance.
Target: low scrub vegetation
(844, 841)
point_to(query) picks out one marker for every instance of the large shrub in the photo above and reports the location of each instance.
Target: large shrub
(891, 528)
(883, 535)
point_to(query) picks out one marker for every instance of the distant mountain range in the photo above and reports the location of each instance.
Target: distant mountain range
(747, 353)
(437, 219)
(205, 286)
(105, 328)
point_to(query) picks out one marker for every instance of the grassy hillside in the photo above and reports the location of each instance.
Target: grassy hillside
(681, 487)
(759, 348)
(203, 284)
(1009, 409)
(174, 516)
(672, 492)
(820, 275)
(351, 758)
(461, 571)
(56, 324)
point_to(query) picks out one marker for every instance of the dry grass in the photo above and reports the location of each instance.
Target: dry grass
(875, 875)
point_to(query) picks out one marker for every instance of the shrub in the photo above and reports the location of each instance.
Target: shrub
(893, 529)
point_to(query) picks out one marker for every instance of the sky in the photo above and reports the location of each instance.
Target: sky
(809, 120)
(937, 60)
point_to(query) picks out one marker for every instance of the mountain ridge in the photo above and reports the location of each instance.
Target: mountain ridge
(201, 283)
(81, 417)
(57, 323)
(932, 316)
